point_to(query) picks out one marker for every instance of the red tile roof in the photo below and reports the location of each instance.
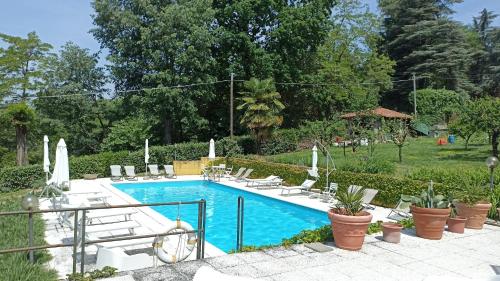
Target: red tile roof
(379, 111)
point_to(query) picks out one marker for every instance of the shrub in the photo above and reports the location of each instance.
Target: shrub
(390, 188)
(22, 177)
(370, 166)
(452, 177)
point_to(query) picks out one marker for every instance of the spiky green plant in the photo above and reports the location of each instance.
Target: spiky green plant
(349, 202)
(428, 199)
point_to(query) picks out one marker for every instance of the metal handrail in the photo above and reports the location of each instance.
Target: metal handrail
(239, 223)
(200, 231)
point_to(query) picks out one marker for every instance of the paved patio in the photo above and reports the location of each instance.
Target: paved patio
(455, 257)
(470, 255)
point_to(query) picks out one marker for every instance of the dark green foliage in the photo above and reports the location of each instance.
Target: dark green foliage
(435, 106)
(471, 193)
(320, 234)
(24, 177)
(454, 176)
(105, 272)
(13, 230)
(390, 187)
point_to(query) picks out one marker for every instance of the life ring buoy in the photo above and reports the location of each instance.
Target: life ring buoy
(181, 228)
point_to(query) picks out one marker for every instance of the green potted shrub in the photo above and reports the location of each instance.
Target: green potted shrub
(349, 220)
(430, 212)
(473, 203)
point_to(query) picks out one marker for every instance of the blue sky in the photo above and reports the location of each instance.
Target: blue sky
(59, 21)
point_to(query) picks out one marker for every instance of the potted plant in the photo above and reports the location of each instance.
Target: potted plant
(349, 220)
(430, 212)
(391, 232)
(456, 224)
(473, 203)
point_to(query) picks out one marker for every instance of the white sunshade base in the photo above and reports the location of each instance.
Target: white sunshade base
(46, 161)
(60, 174)
(211, 151)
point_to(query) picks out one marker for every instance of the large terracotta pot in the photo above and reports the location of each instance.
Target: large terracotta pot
(476, 214)
(430, 222)
(391, 232)
(349, 231)
(456, 224)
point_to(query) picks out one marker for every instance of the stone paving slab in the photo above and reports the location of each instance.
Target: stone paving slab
(413, 259)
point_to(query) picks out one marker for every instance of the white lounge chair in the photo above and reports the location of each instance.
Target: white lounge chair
(238, 174)
(154, 173)
(169, 171)
(227, 172)
(328, 195)
(130, 173)
(402, 209)
(116, 172)
(118, 259)
(270, 182)
(245, 175)
(369, 195)
(305, 186)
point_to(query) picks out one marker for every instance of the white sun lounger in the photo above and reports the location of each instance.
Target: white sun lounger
(169, 171)
(130, 173)
(369, 195)
(402, 209)
(154, 172)
(115, 226)
(116, 172)
(244, 177)
(126, 213)
(305, 186)
(227, 172)
(238, 174)
(271, 181)
(118, 259)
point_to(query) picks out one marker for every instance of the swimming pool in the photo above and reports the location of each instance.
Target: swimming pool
(267, 220)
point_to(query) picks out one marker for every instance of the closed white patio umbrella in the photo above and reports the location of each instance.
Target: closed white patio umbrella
(60, 175)
(46, 161)
(146, 155)
(314, 159)
(211, 151)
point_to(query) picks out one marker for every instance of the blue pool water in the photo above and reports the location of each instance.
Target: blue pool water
(267, 220)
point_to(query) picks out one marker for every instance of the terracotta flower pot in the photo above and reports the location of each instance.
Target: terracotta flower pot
(430, 222)
(456, 224)
(349, 231)
(391, 232)
(476, 214)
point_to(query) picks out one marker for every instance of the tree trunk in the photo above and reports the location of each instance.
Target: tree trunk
(467, 142)
(167, 131)
(400, 153)
(494, 141)
(22, 147)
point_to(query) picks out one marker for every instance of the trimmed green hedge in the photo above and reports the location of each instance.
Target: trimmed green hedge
(390, 188)
(13, 178)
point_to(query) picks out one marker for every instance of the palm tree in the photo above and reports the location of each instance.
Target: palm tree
(262, 109)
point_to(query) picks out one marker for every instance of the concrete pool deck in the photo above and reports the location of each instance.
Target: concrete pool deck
(469, 255)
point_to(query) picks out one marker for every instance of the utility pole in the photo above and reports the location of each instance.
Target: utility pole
(231, 98)
(414, 95)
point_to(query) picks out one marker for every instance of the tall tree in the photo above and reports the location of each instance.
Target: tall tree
(485, 70)
(20, 61)
(488, 120)
(21, 116)
(154, 45)
(422, 39)
(350, 64)
(71, 102)
(261, 109)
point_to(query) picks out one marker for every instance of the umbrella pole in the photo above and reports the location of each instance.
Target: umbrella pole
(146, 170)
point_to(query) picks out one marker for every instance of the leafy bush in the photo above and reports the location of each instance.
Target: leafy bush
(13, 178)
(321, 234)
(370, 166)
(390, 188)
(452, 177)
(472, 194)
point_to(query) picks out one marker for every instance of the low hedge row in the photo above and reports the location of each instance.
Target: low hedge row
(390, 188)
(13, 178)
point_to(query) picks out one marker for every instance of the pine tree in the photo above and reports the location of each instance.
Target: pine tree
(422, 39)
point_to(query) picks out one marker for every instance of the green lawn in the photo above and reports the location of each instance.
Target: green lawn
(419, 153)
(14, 233)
